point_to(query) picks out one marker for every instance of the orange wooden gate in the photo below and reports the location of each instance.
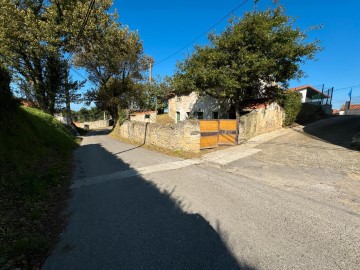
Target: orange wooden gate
(218, 132)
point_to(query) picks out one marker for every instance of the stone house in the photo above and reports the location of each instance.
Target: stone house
(146, 116)
(194, 106)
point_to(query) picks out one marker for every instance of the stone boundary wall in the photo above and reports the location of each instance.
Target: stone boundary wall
(260, 121)
(352, 112)
(184, 136)
(94, 124)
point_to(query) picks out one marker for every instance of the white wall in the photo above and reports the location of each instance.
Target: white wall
(187, 106)
(140, 117)
(303, 95)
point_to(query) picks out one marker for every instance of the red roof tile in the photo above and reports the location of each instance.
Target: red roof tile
(352, 107)
(299, 88)
(355, 107)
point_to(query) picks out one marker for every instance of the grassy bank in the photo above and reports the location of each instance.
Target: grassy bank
(35, 165)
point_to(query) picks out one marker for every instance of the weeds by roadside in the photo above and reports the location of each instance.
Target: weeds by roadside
(36, 163)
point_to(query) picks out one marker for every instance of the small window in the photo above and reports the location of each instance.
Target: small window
(232, 115)
(215, 115)
(199, 115)
(178, 98)
(147, 116)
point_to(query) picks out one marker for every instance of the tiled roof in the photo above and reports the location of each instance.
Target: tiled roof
(355, 107)
(142, 112)
(352, 107)
(299, 88)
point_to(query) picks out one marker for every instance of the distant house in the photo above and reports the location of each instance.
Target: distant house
(27, 103)
(310, 94)
(143, 116)
(193, 106)
(350, 109)
(335, 112)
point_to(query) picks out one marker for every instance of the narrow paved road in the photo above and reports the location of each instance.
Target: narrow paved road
(136, 209)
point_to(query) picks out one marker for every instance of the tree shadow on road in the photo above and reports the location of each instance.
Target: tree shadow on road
(128, 223)
(338, 130)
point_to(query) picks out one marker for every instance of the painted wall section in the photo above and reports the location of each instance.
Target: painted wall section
(303, 95)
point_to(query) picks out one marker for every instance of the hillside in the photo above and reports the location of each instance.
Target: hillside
(35, 164)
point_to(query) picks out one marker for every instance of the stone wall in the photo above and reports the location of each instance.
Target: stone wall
(94, 124)
(184, 136)
(261, 121)
(352, 112)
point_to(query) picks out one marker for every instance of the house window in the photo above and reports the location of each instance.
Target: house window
(147, 116)
(199, 115)
(178, 98)
(177, 117)
(215, 115)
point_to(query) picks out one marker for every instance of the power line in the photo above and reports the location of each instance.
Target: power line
(85, 21)
(202, 34)
(348, 87)
(78, 73)
(81, 31)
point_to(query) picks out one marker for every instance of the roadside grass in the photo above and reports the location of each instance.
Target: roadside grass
(164, 119)
(35, 167)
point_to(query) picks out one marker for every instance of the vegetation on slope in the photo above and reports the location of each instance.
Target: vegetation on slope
(35, 164)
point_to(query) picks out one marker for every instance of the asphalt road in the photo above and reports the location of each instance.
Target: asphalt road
(338, 130)
(136, 209)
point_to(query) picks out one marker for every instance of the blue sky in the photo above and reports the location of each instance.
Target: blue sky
(167, 26)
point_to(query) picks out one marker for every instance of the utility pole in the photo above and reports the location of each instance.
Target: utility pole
(350, 94)
(255, 5)
(322, 94)
(150, 72)
(332, 92)
(67, 99)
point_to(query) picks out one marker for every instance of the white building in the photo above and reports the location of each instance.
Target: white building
(310, 94)
(194, 106)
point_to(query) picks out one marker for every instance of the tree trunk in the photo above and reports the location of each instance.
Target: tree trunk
(67, 101)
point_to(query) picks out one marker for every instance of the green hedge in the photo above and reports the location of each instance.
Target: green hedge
(291, 103)
(310, 113)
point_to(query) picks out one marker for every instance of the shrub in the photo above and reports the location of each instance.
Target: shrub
(310, 113)
(291, 103)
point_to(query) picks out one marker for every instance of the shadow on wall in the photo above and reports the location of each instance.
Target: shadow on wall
(338, 130)
(128, 223)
